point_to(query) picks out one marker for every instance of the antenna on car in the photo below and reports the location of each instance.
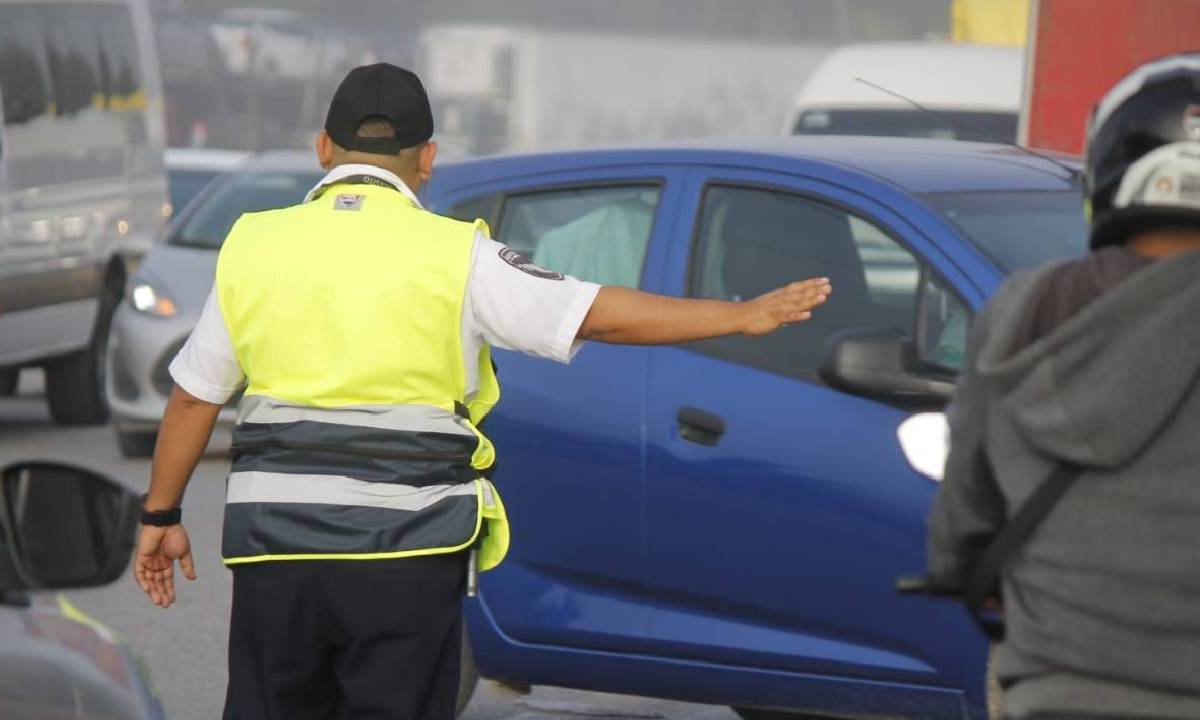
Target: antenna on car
(1074, 174)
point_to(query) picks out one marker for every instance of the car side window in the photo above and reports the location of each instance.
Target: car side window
(599, 234)
(23, 74)
(753, 240)
(484, 207)
(944, 323)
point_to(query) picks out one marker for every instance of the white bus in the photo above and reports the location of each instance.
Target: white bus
(82, 186)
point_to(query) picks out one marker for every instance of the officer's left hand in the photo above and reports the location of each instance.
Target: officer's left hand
(154, 566)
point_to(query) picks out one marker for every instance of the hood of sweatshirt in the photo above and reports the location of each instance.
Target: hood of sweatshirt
(1095, 389)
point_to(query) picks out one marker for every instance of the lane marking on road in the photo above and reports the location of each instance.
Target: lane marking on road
(569, 709)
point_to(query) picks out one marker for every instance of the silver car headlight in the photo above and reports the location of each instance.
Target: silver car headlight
(925, 440)
(147, 299)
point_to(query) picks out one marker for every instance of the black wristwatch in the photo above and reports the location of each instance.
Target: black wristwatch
(160, 518)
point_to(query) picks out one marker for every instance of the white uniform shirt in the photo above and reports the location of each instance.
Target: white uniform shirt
(510, 304)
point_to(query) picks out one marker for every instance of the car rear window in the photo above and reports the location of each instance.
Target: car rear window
(1018, 229)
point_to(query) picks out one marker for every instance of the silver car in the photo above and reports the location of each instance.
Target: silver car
(167, 293)
(190, 170)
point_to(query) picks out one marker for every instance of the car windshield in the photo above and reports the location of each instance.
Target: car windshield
(187, 184)
(1018, 229)
(940, 124)
(207, 223)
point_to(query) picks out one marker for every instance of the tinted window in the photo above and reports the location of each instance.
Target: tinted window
(944, 322)
(943, 124)
(23, 76)
(73, 96)
(209, 220)
(598, 234)
(751, 241)
(486, 208)
(1019, 229)
(73, 56)
(185, 185)
(122, 69)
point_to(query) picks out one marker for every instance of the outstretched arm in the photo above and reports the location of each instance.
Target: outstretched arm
(631, 317)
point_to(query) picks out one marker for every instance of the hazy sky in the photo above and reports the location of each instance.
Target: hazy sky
(827, 20)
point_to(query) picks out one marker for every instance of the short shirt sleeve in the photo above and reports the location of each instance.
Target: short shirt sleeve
(516, 305)
(207, 367)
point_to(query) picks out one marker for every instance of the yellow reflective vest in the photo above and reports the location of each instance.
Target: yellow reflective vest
(355, 438)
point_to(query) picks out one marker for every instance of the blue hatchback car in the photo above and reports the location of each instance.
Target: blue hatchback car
(722, 521)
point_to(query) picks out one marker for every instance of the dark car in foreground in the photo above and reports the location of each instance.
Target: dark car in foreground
(722, 521)
(64, 527)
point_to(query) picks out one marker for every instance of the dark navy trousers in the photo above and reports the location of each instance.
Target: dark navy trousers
(340, 639)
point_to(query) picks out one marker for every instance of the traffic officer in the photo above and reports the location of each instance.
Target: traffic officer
(360, 325)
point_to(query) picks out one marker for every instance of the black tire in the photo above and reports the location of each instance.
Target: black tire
(8, 381)
(75, 382)
(136, 444)
(756, 714)
(468, 676)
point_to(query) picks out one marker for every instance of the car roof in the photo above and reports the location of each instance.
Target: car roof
(284, 161)
(204, 159)
(914, 165)
(943, 75)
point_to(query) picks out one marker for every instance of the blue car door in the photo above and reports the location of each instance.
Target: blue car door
(569, 438)
(779, 510)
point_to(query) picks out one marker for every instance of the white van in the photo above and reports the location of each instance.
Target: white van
(972, 91)
(81, 185)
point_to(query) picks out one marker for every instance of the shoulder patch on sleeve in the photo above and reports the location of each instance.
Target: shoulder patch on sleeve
(527, 266)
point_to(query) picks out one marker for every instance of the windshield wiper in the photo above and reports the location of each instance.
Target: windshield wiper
(203, 243)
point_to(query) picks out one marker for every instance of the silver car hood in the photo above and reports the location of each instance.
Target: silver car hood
(184, 274)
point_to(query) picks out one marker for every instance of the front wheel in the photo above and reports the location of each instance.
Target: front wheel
(75, 382)
(468, 676)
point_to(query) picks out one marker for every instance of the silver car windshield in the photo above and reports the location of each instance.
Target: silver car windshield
(210, 217)
(1018, 229)
(184, 185)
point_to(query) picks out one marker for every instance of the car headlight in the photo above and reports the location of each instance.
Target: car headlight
(925, 440)
(145, 298)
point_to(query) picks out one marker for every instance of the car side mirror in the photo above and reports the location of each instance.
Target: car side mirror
(63, 527)
(883, 363)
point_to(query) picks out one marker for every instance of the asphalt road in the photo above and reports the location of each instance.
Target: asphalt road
(185, 645)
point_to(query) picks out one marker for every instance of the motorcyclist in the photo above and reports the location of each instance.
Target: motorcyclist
(1094, 364)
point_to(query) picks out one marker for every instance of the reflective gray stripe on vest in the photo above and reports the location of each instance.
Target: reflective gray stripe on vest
(361, 480)
(279, 531)
(266, 487)
(409, 444)
(412, 418)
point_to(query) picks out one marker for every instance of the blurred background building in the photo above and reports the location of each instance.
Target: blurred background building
(522, 74)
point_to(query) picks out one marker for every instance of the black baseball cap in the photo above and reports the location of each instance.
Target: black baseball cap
(384, 91)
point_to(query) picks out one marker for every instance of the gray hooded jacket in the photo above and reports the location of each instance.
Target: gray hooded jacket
(1103, 602)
